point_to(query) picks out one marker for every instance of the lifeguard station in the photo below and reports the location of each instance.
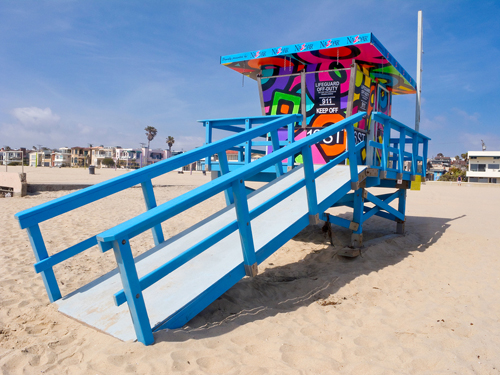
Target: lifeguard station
(325, 135)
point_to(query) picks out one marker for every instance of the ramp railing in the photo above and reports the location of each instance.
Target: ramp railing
(394, 149)
(31, 218)
(246, 148)
(118, 238)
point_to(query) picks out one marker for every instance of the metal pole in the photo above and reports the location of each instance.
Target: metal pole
(419, 71)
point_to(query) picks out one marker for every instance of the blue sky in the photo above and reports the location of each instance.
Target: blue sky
(79, 72)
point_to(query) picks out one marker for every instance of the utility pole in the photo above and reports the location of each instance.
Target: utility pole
(419, 71)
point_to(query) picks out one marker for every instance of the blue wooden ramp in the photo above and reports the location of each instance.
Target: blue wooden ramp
(183, 293)
(169, 284)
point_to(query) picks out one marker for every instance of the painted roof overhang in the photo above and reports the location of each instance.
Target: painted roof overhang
(326, 54)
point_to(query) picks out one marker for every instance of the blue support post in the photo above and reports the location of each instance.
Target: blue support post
(208, 140)
(312, 199)
(224, 169)
(276, 146)
(357, 219)
(248, 144)
(49, 279)
(400, 227)
(149, 198)
(133, 291)
(245, 228)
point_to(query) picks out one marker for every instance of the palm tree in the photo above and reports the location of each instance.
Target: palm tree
(170, 142)
(151, 134)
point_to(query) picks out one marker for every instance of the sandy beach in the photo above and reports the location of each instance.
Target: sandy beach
(423, 303)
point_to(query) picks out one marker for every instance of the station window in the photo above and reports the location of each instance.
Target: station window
(473, 157)
(496, 157)
(493, 166)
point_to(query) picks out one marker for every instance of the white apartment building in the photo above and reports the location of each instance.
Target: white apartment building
(484, 166)
(7, 157)
(63, 157)
(101, 152)
(128, 157)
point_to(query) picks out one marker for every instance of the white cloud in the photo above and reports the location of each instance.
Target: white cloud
(473, 141)
(465, 116)
(437, 122)
(187, 142)
(34, 116)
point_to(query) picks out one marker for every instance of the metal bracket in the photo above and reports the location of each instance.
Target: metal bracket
(371, 172)
(252, 270)
(354, 185)
(399, 176)
(414, 177)
(365, 194)
(353, 226)
(314, 219)
(289, 168)
(383, 174)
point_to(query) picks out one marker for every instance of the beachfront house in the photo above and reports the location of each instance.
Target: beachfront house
(62, 158)
(128, 157)
(11, 156)
(153, 156)
(484, 166)
(100, 153)
(80, 156)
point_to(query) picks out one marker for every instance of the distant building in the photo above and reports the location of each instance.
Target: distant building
(80, 156)
(484, 166)
(62, 158)
(150, 156)
(100, 153)
(11, 156)
(128, 157)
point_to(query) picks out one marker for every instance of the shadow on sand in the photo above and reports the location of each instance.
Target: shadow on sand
(319, 275)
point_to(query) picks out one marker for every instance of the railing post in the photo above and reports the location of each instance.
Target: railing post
(208, 140)
(149, 198)
(245, 228)
(38, 246)
(291, 139)
(385, 144)
(424, 157)
(276, 146)
(133, 291)
(224, 169)
(370, 151)
(248, 144)
(353, 160)
(312, 198)
(414, 153)
(402, 146)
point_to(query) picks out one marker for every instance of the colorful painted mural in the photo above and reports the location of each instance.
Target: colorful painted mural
(368, 52)
(326, 68)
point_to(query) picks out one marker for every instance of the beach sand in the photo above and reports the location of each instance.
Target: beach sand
(423, 303)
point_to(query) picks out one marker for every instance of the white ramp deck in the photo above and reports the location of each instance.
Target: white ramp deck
(93, 304)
